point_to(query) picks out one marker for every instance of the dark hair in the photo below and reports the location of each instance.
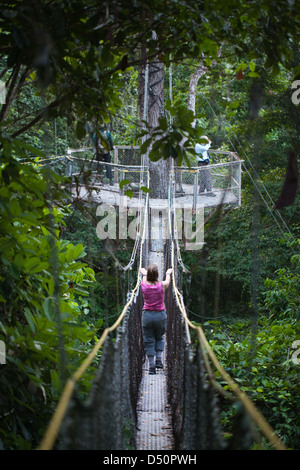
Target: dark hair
(152, 273)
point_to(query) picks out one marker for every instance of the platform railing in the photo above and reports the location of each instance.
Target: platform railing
(225, 170)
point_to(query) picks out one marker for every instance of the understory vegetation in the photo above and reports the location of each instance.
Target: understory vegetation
(262, 358)
(69, 67)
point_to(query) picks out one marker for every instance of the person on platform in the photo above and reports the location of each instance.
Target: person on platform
(104, 144)
(203, 159)
(154, 316)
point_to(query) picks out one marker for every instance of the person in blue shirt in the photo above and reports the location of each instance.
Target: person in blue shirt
(203, 157)
(103, 151)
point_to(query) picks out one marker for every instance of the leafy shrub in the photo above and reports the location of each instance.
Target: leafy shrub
(260, 359)
(43, 290)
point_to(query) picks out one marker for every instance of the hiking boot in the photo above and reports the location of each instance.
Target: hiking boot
(159, 364)
(152, 371)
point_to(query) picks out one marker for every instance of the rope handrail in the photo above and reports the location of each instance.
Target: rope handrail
(248, 404)
(211, 165)
(85, 149)
(179, 259)
(133, 254)
(69, 151)
(118, 165)
(53, 428)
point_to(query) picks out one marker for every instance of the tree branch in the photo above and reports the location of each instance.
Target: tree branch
(40, 116)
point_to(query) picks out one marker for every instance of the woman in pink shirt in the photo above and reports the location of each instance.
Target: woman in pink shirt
(154, 315)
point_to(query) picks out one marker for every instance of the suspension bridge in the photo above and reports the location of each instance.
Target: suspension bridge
(178, 407)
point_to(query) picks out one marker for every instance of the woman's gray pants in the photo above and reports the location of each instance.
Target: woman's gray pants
(154, 328)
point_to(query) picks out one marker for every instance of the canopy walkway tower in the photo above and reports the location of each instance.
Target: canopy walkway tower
(178, 407)
(89, 177)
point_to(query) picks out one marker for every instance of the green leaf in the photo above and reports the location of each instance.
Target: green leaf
(123, 183)
(30, 319)
(14, 207)
(49, 308)
(154, 155)
(78, 251)
(253, 74)
(51, 286)
(234, 104)
(41, 267)
(241, 66)
(145, 189)
(145, 145)
(32, 149)
(55, 380)
(163, 123)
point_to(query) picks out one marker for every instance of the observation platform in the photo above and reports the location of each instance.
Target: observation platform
(119, 185)
(90, 179)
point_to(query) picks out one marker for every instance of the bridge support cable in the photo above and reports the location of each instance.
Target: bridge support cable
(107, 419)
(256, 181)
(193, 389)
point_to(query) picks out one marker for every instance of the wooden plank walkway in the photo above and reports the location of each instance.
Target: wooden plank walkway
(154, 429)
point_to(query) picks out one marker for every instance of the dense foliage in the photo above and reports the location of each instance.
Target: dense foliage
(68, 66)
(260, 358)
(44, 284)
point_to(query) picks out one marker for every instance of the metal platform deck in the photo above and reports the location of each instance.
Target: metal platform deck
(111, 195)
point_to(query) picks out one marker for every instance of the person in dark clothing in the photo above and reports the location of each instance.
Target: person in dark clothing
(104, 144)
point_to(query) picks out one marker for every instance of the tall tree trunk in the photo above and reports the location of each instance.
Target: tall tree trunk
(194, 78)
(159, 171)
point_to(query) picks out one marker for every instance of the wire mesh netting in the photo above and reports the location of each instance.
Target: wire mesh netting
(128, 155)
(193, 397)
(224, 178)
(107, 419)
(84, 168)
